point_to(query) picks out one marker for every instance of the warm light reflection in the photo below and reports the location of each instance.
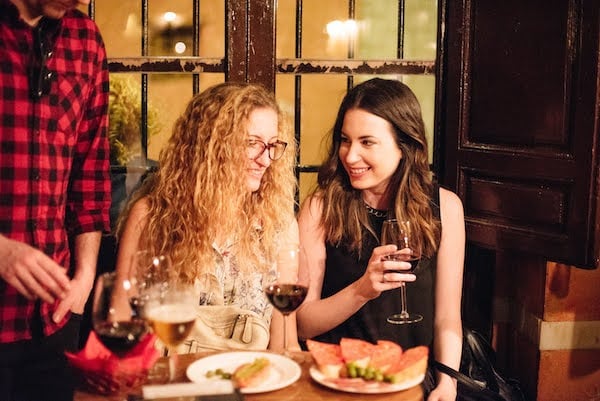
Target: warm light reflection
(180, 47)
(169, 16)
(342, 30)
(340, 35)
(132, 26)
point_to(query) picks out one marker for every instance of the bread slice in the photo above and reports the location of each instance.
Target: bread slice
(252, 374)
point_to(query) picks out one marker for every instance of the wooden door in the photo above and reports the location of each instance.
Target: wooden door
(518, 124)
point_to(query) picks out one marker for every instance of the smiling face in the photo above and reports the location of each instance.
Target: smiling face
(262, 126)
(368, 152)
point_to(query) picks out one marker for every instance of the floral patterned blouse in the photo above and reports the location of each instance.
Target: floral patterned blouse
(229, 286)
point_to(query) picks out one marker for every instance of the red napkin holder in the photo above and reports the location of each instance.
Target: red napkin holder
(103, 372)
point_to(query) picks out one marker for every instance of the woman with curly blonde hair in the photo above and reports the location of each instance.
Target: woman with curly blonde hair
(377, 168)
(222, 201)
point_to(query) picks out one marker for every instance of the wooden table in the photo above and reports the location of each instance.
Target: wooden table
(305, 389)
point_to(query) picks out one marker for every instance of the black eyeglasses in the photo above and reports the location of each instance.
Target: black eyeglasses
(40, 77)
(256, 148)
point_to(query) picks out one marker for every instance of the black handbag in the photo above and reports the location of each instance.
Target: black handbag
(478, 379)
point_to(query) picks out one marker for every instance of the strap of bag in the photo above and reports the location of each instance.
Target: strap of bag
(482, 352)
(469, 384)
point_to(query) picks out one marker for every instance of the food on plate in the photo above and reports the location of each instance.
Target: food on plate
(246, 375)
(328, 357)
(358, 359)
(252, 374)
(218, 372)
(356, 351)
(384, 355)
(413, 363)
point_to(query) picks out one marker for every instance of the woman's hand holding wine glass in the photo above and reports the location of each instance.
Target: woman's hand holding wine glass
(400, 233)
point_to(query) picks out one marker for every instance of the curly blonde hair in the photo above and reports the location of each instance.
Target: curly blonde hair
(411, 186)
(199, 193)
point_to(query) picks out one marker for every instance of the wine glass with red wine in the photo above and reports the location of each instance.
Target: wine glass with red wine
(287, 289)
(113, 321)
(400, 233)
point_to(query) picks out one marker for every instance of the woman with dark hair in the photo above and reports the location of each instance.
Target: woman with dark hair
(377, 167)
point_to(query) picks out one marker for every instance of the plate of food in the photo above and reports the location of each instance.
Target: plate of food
(252, 372)
(358, 366)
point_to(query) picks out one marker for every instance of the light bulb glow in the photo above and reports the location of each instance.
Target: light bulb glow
(169, 16)
(180, 47)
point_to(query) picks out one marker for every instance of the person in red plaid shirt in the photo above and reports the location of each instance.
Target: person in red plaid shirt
(54, 186)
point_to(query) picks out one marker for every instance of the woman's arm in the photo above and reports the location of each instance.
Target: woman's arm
(276, 329)
(448, 291)
(314, 315)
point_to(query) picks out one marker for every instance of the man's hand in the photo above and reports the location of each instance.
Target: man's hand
(86, 256)
(75, 299)
(31, 272)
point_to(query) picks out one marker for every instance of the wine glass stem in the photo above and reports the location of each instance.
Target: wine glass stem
(172, 364)
(285, 346)
(404, 312)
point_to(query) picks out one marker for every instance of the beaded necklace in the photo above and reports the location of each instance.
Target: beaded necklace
(376, 212)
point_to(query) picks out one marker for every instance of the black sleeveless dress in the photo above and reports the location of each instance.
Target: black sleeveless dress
(343, 267)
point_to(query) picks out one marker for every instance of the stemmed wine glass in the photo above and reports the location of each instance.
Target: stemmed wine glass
(399, 233)
(147, 273)
(167, 304)
(117, 330)
(287, 289)
(111, 315)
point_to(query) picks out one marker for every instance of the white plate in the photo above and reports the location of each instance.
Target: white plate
(362, 386)
(283, 373)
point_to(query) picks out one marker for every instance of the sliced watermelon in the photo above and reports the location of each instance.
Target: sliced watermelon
(328, 357)
(384, 356)
(356, 351)
(411, 364)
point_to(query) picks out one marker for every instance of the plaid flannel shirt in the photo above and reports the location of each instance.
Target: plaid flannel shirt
(54, 152)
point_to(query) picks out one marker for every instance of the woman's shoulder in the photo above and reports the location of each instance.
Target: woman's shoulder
(139, 210)
(141, 205)
(313, 201)
(450, 203)
(447, 196)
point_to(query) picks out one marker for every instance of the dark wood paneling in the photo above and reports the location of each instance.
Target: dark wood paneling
(236, 28)
(518, 116)
(261, 42)
(492, 198)
(519, 63)
(250, 41)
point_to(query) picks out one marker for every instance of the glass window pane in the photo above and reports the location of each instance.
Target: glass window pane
(170, 94)
(120, 23)
(321, 97)
(316, 43)
(171, 28)
(212, 28)
(286, 29)
(420, 30)
(377, 29)
(424, 88)
(308, 182)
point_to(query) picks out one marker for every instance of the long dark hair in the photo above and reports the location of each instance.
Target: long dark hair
(410, 187)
